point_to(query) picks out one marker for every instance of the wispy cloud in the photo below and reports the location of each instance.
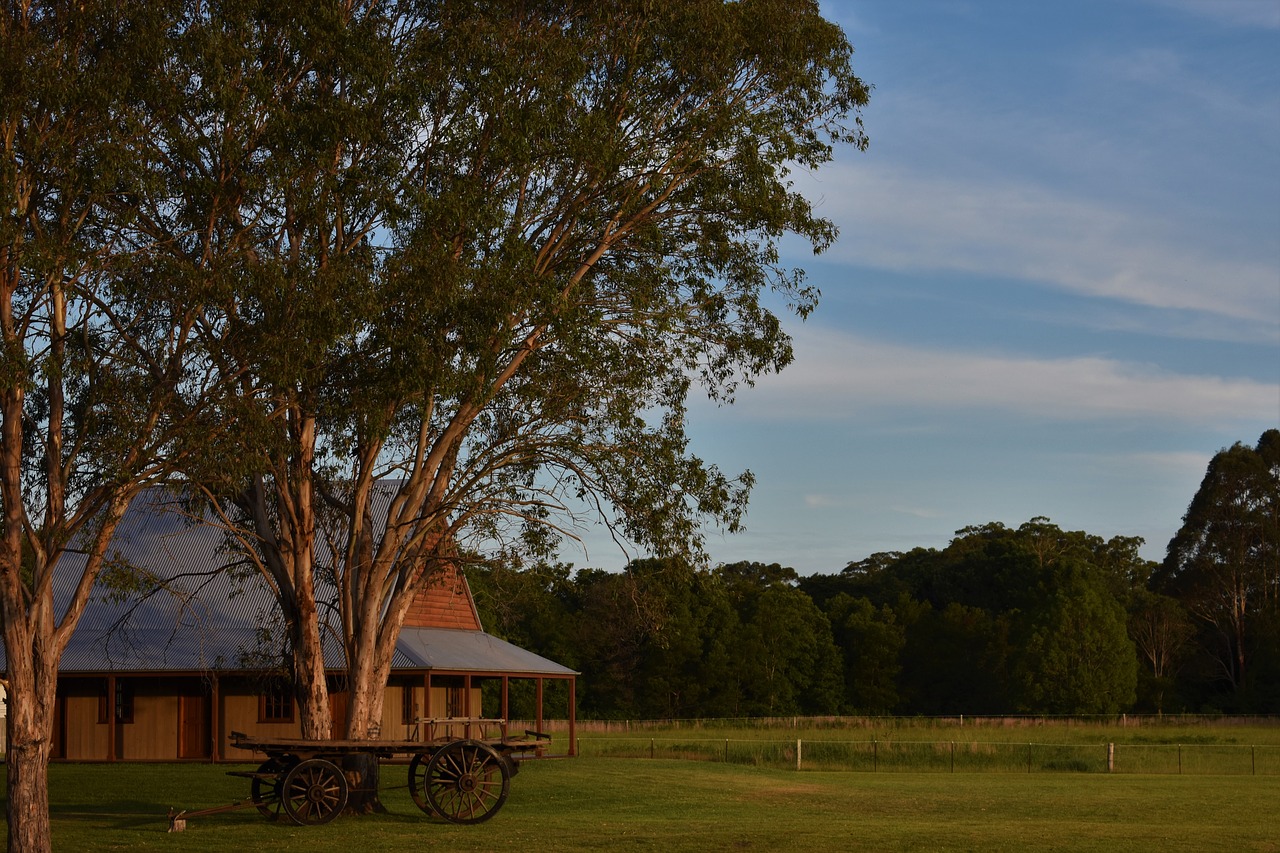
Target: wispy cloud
(1183, 462)
(916, 512)
(1174, 85)
(838, 376)
(1264, 14)
(902, 221)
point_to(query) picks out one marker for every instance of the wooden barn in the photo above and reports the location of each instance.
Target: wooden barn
(166, 670)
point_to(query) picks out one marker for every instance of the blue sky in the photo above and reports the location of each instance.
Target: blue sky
(1056, 291)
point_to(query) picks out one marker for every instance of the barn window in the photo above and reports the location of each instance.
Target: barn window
(455, 702)
(275, 705)
(408, 707)
(123, 703)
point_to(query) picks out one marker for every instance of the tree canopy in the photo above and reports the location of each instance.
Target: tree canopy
(477, 257)
(104, 380)
(1224, 565)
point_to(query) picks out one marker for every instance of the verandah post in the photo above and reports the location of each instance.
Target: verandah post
(466, 703)
(215, 721)
(111, 717)
(573, 716)
(539, 704)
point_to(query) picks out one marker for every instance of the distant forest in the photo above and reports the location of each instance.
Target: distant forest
(1033, 620)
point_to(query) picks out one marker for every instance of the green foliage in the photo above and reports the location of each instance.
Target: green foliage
(956, 660)
(104, 377)
(471, 258)
(1029, 620)
(1002, 618)
(1224, 566)
(1078, 658)
(1162, 632)
(871, 640)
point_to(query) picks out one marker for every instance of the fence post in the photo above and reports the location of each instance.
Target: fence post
(651, 755)
(799, 747)
(1028, 758)
(1111, 757)
(1253, 759)
(726, 750)
(1179, 759)
(875, 755)
(953, 756)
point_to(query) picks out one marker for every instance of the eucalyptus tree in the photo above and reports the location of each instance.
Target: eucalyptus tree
(500, 245)
(1223, 564)
(282, 148)
(101, 385)
(1161, 630)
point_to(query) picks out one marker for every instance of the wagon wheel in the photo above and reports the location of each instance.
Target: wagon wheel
(265, 793)
(313, 792)
(418, 781)
(465, 781)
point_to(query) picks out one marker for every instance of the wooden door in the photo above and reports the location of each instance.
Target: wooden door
(194, 712)
(338, 708)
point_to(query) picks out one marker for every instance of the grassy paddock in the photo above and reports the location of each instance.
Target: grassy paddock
(956, 756)
(1168, 745)
(611, 804)
(989, 728)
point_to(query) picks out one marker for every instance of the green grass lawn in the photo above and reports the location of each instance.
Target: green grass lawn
(911, 745)
(639, 804)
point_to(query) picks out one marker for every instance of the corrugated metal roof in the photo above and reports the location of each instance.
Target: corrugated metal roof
(472, 651)
(209, 610)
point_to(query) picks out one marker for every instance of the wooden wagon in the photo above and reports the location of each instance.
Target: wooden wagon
(459, 770)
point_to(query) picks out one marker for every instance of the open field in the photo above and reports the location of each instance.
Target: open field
(640, 804)
(1007, 744)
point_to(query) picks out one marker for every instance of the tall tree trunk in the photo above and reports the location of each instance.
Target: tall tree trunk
(309, 679)
(32, 694)
(367, 679)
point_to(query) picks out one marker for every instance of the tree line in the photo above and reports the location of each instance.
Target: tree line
(1025, 620)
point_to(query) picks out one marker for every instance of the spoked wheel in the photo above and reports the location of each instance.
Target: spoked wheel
(314, 792)
(418, 781)
(264, 792)
(465, 782)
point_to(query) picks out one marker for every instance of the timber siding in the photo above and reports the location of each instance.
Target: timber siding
(447, 604)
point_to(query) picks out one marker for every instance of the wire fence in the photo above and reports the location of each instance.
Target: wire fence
(947, 722)
(890, 756)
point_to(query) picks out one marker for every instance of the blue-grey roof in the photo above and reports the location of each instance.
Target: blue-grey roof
(205, 609)
(472, 651)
